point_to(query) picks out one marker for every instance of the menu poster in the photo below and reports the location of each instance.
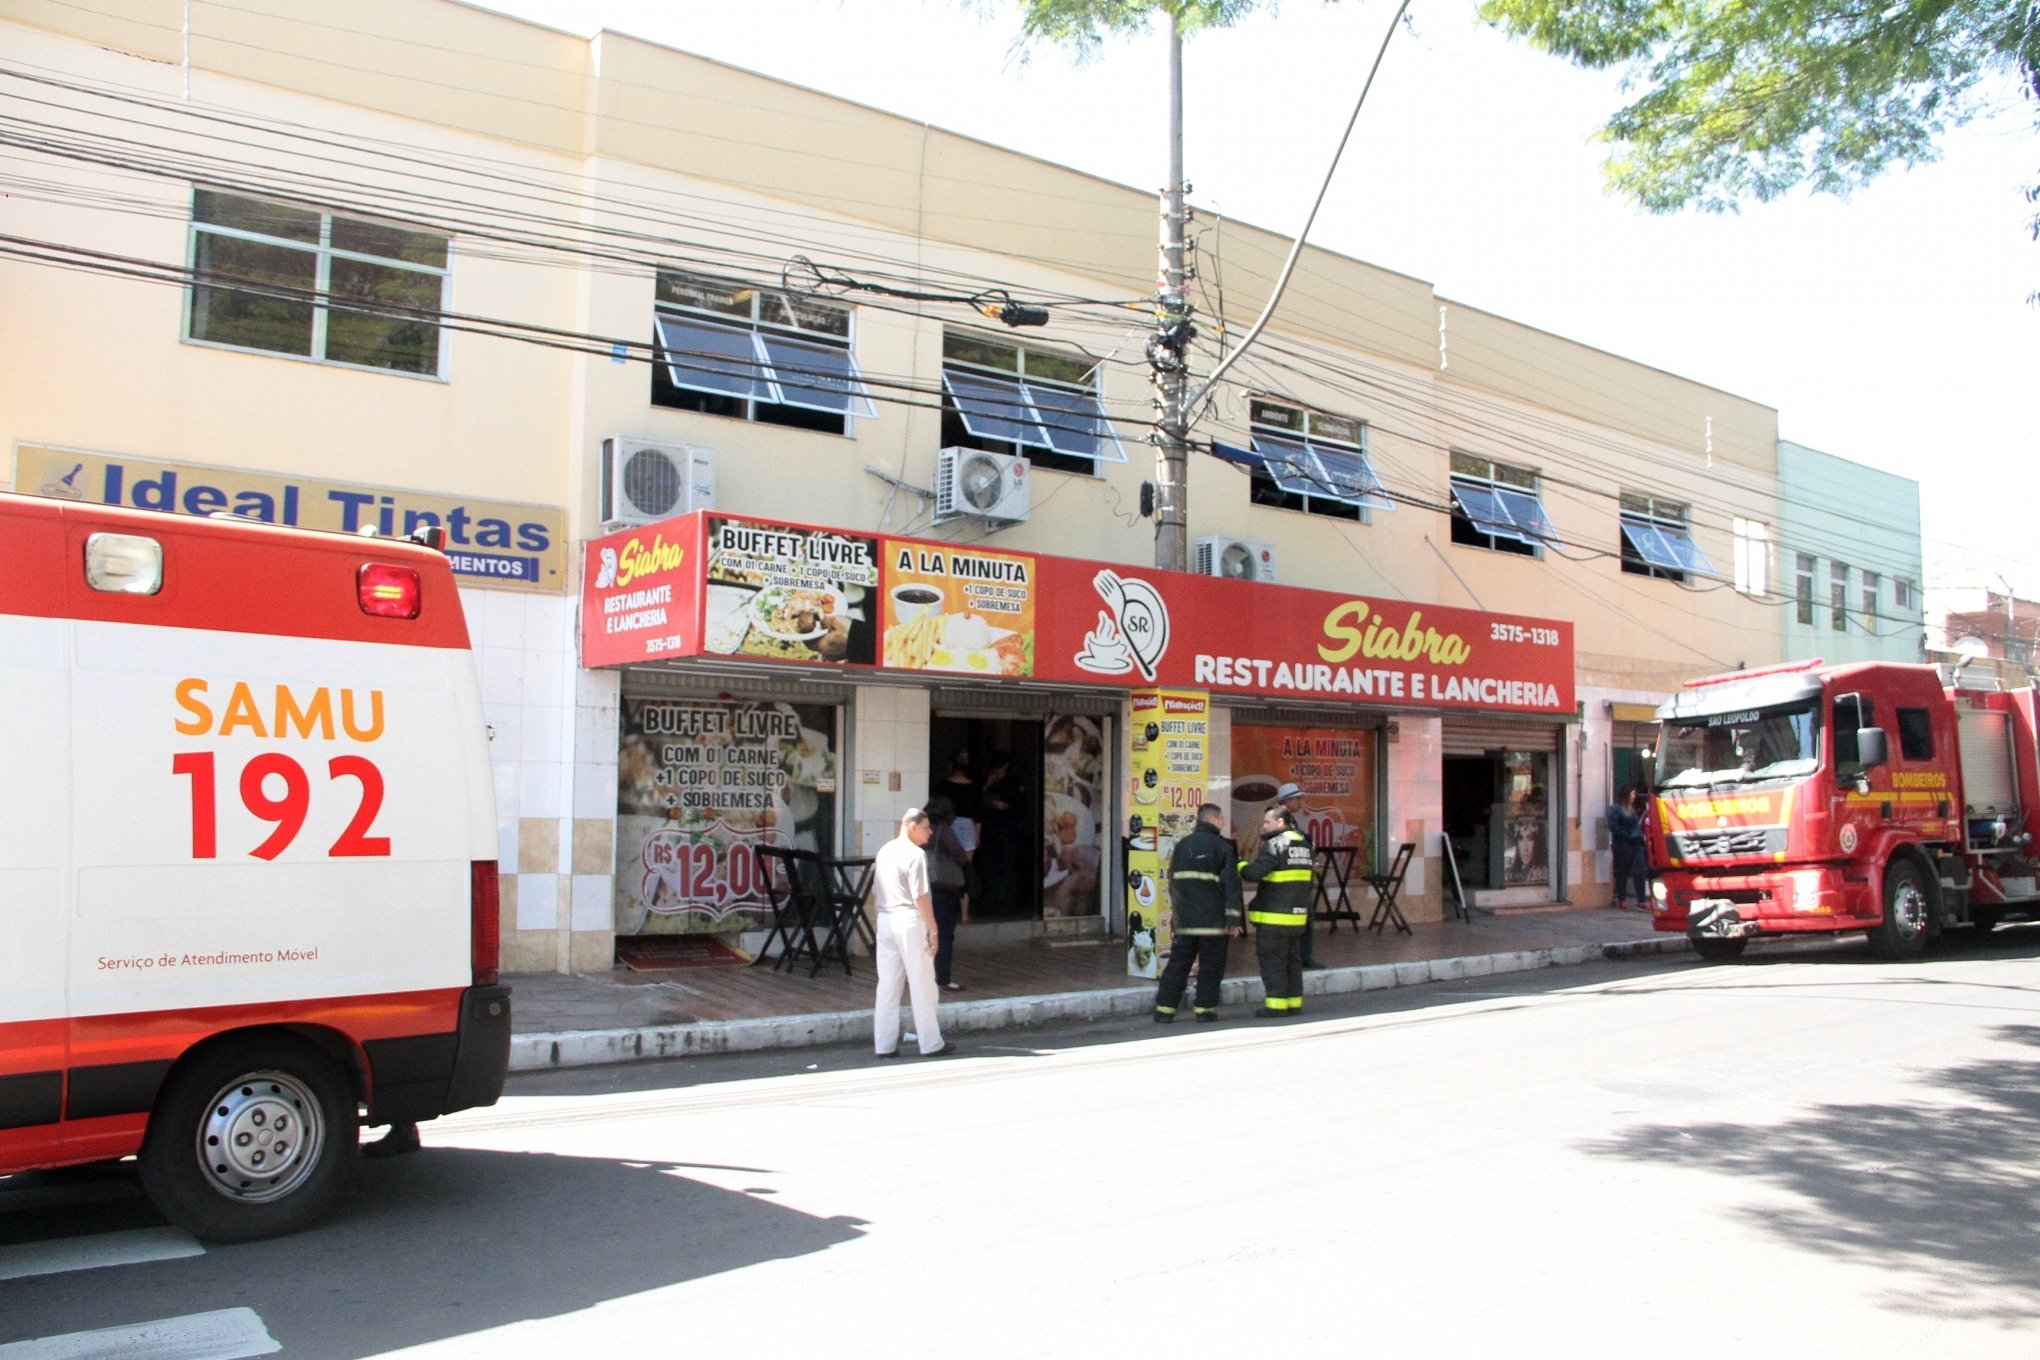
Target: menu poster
(789, 593)
(1334, 766)
(1168, 762)
(701, 785)
(957, 609)
(1072, 813)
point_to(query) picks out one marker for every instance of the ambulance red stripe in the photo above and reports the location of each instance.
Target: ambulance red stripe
(223, 578)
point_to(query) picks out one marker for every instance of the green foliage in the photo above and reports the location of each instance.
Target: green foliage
(1750, 98)
(1081, 25)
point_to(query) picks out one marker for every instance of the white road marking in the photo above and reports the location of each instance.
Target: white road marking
(97, 1249)
(228, 1334)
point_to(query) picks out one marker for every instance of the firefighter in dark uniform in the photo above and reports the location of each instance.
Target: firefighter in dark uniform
(1280, 911)
(1204, 888)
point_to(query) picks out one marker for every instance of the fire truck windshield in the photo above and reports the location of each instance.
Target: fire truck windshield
(1739, 748)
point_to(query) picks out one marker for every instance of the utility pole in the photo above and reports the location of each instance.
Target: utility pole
(1168, 350)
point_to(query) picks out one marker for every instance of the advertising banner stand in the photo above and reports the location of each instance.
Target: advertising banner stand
(1169, 733)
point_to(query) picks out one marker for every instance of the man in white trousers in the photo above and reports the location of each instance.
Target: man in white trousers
(906, 940)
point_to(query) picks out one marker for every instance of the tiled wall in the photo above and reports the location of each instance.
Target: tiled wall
(890, 726)
(553, 750)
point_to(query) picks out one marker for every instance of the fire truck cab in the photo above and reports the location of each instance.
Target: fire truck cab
(1814, 799)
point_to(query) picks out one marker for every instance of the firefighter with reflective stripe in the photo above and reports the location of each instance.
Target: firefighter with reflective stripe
(1281, 910)
(1204, 890)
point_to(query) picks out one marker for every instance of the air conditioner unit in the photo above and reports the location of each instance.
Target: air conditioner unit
(1236, 559)
(987, 486)
(644, 480)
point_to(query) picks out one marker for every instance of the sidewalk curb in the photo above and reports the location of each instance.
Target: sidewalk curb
(597, 1047)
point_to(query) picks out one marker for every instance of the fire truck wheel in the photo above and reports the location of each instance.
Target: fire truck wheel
(249, 1139)
(1908, 913)
(1719, 951)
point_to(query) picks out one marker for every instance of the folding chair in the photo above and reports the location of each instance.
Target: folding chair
(793, 908)
(1386, 887)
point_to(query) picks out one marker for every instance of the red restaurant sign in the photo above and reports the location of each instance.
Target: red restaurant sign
(710, 584)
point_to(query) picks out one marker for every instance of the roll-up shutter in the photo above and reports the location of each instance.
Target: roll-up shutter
(1280, 715)
(1986, 761)
(1472, 736)
(663, 684)
(1003, 701)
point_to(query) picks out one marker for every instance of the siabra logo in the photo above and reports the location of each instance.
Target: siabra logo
(1132, 631)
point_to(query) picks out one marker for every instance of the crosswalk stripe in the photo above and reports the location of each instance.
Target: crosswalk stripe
(228, 1334)
(129, 1248)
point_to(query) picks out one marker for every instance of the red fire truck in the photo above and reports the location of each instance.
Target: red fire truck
(1812, 799)
(247, 855)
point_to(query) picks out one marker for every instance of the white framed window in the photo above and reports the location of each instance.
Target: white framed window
(283, 278)
(1309, 461)
(1802, 590)
(1752, 557)
(1497, 506)
(1873, 587)
(759, 354)
(1024, 399)
(1902, 593)
(1657, 540)
(1838, 596)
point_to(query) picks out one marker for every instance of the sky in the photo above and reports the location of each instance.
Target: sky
(1891, 328)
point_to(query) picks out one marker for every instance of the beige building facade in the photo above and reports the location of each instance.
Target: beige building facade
(556, 244)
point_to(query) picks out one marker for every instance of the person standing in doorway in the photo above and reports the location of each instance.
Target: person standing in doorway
(1000, 861)
(906, 940)
(1283, 869)
(1290, 798)
(948, 867)
(1204, 888)
(1626, 841)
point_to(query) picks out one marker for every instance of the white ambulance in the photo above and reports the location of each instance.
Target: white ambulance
(247, 855)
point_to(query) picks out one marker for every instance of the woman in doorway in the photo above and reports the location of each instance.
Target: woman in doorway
(959, 787)
(999, 858)
(947, 866)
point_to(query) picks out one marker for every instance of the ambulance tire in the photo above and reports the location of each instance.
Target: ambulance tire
(1714, 950)
(252, 1138)
(1909, 911)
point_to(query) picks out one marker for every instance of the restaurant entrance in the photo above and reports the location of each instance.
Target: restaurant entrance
(1034, 784)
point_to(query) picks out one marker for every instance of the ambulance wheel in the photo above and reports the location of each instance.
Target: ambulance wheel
(1908, 914)
(253, 1138)
(1715, 950)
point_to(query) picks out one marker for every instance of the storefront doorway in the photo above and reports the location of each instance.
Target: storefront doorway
(1037, 788)
(1503, 804)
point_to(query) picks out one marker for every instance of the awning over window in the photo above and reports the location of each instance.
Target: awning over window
(1666, 547)
(737, 361)
(1303, 468)
(1505, 512)
(1034, 415)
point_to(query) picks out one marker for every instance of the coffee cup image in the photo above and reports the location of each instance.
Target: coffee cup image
(1251, 793)
(912, 601)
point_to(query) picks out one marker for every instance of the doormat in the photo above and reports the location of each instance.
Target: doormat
(651, 953)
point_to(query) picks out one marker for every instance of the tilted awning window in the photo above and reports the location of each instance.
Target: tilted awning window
(1033, 414)
(1505, 512)
(1668, 547)
(758, 365)
(1306, 468)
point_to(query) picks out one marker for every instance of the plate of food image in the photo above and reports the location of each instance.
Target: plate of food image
(794, 613)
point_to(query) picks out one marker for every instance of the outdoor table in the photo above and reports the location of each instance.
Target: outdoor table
(846, 885)
(1333, 872)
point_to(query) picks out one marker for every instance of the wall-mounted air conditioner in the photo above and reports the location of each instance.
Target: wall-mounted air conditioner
(645, 480)
(976, 484)
(1236, 559)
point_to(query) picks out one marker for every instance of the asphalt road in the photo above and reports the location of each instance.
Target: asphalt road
(1808, 1154)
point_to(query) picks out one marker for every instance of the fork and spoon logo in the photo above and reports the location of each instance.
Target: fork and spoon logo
(1132, 631)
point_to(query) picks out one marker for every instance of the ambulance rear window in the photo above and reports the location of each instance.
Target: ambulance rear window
(124, 564)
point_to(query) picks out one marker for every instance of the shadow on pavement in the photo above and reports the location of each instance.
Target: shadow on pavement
(446, 1243)
(1942, 1195)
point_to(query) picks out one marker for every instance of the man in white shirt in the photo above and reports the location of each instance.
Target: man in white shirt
(906, 940)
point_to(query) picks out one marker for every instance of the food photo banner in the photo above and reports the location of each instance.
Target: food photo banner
(782, 592)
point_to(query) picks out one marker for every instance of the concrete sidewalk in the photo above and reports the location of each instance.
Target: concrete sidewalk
(616, 1017)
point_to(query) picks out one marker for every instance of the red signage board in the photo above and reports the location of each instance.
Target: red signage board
(727, 585)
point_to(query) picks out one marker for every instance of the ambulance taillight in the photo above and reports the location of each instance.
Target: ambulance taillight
(486, 908)
(388, 592)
